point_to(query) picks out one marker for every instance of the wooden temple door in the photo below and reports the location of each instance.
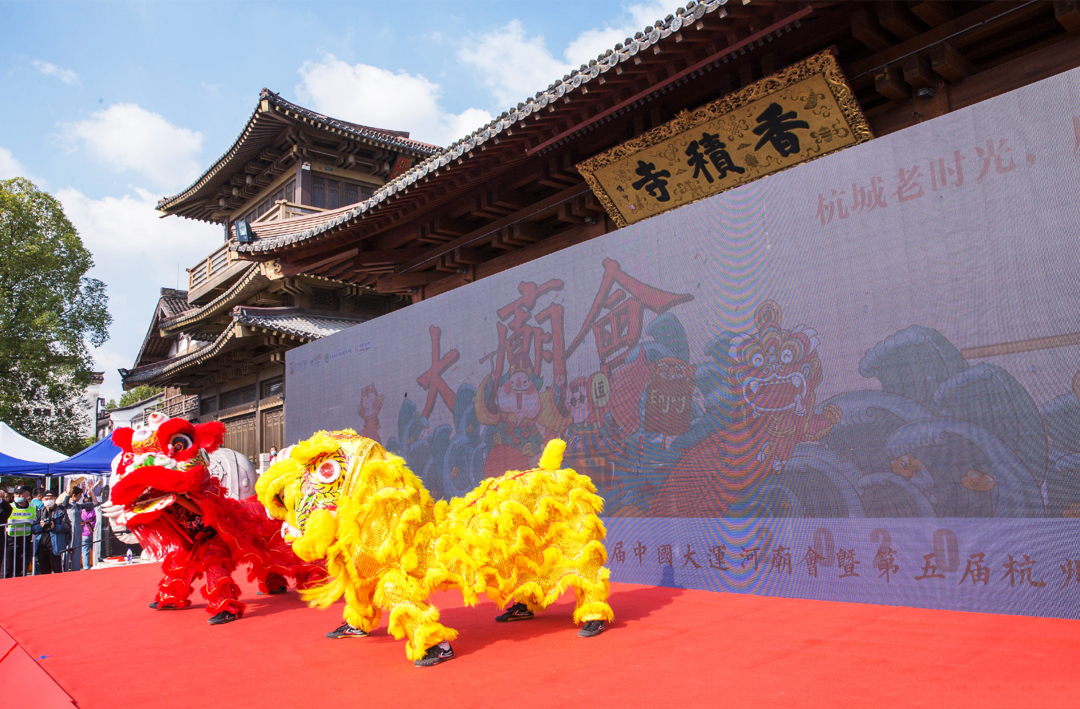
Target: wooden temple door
(240, 435)
(273, 429)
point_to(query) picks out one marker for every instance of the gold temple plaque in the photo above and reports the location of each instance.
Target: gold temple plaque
(803, 112)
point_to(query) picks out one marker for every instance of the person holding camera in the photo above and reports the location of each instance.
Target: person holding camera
(54, 528)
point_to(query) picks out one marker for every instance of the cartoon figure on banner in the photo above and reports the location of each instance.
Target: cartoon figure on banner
(370, 405)
(772, 375)
(616, 320)
(512, 397)
(594, 443)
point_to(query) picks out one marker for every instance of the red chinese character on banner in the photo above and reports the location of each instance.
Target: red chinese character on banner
(1071, 569)
(625, 300)
(867, 199)
(909, 188)
(663, 555)
(432, 380)
(845, 559)
(639, 552)
(617, 553)
(716, 558)
(997, 155)
(885, 563)
(521, 342)
(1020, 571)
(940, 173)
(781, 559)
(929, 570)
(833, 206)
(812, 559)
(975, 570)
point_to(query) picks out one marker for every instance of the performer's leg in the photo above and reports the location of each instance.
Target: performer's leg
(361, 615)
(175, 588)
(221, 592)
(412, 617)
(272, 583)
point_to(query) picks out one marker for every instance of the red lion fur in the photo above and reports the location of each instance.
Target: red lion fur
(231, 533)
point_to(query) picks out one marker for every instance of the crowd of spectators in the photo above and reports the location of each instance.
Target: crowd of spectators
(46, 534)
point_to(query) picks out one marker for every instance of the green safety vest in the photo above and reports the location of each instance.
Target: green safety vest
(20, 520)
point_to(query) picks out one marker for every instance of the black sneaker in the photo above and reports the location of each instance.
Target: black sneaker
(434, 655)
(157, 607)
(518, 611)
(222, 617)
(346, 631)
(273, 591)
(591, 629)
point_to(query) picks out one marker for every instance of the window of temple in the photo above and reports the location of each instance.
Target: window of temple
(273, 387)
(323, 299)
(286, 192)
(208, 405)
(331, 194)
(238, 397)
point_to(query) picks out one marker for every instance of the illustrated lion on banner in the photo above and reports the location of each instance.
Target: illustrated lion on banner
(525, 536)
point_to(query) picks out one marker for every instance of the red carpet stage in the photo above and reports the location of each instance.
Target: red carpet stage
(92, 633)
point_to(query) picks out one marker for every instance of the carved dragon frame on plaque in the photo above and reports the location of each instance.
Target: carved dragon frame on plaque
(798, 114)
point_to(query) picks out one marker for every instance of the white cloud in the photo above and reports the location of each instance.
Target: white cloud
(591, 43)
(515, 66)
(511, 64)
(384, 99)
(135, 254)
(9, 166)
(127, 137)
(49, 69)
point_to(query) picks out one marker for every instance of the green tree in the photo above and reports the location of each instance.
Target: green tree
(49, 312)
(138, 394)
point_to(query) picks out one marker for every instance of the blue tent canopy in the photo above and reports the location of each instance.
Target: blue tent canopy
(95, 460)
(17, 466)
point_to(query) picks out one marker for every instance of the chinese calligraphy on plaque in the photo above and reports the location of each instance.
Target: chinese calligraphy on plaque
(800, 113)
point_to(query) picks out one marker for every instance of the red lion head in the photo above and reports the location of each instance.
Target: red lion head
(163, 459)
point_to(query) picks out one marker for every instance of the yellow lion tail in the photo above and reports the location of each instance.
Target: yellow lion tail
(553, 454)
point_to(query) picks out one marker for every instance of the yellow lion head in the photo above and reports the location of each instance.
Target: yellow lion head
(321, 487)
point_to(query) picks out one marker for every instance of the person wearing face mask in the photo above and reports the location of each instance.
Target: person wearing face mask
(19, 528)
(54, 526)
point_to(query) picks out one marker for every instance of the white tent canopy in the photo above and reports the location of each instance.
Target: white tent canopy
(11, 443)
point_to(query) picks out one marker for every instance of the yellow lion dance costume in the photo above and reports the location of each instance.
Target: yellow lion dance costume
(526, 536)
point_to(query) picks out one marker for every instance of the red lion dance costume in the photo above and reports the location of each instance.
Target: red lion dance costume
(178, 511)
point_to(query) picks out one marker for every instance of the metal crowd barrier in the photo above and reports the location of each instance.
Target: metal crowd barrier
(18, 552)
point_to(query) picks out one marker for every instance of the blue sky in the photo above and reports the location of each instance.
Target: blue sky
(113, 105)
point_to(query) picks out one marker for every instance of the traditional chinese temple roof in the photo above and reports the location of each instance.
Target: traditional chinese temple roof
(892, 53)
(250, 282)
(295, 325)
(498, 132)
(272, 116)
(171, 304)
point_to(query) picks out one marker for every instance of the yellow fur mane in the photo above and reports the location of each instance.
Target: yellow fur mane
(525, 535)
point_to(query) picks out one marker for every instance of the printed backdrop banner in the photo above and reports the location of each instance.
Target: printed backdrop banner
(855, 379)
